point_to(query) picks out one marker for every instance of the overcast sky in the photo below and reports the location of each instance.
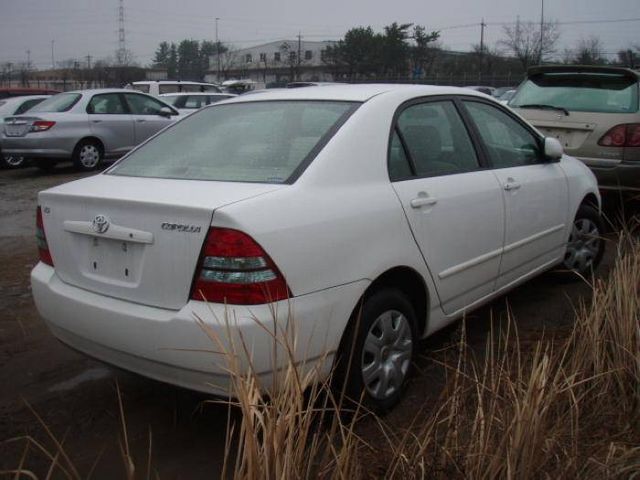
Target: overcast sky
(90, 27)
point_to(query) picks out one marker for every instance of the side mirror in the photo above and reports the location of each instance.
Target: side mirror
(553, 149)
(166, 112)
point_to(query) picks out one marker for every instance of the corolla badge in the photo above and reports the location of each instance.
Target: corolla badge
(100, 224)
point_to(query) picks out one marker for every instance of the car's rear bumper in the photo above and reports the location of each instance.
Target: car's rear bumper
(37, 146)
(624, 176)
(180, 347)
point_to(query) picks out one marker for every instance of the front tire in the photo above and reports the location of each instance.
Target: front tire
(585, 247)
(88, 155)
(374, 360)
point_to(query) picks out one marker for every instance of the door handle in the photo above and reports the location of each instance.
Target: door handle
(140, 120)
(423, 200)
(96, 121)
(511, 185)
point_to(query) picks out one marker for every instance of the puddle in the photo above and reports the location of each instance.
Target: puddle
(87, 376)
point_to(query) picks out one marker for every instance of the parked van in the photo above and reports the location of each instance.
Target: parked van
(171, 86)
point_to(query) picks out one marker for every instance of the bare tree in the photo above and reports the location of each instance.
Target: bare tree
(589, 52)
(528, 44)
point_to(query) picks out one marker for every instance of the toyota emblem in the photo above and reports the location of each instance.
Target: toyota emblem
(100, 224)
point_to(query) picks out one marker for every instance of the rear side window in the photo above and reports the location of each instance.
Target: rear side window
(265, 142)
(63, 102)
(580, 92)
(144, 88)
(436, 139)
(27, 105)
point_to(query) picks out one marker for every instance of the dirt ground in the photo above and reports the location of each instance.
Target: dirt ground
(76, 398)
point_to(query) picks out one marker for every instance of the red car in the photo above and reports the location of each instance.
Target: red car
(19, 92)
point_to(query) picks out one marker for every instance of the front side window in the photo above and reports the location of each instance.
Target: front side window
(143, 105)
(436, 139)
(243, 142)
(63, 102)
(579, 92)
(106, 104)
(508, 143)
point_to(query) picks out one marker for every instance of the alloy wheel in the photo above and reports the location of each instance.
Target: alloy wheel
(583, 246)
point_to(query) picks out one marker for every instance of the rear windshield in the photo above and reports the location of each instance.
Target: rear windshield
(63, 102)
(604, 93)
(242, 142)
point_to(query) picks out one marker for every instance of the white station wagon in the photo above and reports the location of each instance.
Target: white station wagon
(375, 214)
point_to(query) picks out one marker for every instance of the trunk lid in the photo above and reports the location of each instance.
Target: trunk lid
(136, 239)
(579, 132)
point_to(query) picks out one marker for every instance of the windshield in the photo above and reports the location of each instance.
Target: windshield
(58, 103)
(579, 92)
(242, 142)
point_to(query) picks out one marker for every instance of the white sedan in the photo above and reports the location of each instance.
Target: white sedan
(409, 205)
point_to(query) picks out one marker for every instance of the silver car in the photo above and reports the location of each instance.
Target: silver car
(16, 106)
(85, 126)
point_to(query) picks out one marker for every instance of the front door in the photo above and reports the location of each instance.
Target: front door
(535, 192)
(110, 121)
(147, 115)
(453, 204)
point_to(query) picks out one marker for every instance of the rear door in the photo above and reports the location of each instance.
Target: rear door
(147, 115)
(454, 205)
(110, 121)
(535, 191)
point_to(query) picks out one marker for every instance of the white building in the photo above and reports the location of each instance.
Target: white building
(280, 61)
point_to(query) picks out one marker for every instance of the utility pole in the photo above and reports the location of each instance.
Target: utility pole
(28, 59)
(53, 62)
(541, 29)
(218, 51)
(482, 27)
(88, 57)
(121, 54)
(299, 52)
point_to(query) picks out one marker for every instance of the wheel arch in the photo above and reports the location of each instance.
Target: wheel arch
(407, 280)
(90, 138)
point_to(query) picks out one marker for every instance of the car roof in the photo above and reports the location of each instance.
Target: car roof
(93, 91)
(353, 92)
(182, 94)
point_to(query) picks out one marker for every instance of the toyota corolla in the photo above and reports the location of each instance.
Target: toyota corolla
(372, 215)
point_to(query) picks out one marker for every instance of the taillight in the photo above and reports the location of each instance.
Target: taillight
(235, 269)
(623, 135)
(41, 125)
(41, 240)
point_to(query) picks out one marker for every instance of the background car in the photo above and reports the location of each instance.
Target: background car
(482, 89)
(346, 211)
(85, 127)
(16, 106)
(506, 96)
(160, 87)
(6, 92)
(500, 91)
(189, 102)
(594, 112)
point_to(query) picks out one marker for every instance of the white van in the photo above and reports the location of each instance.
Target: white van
(156, 88)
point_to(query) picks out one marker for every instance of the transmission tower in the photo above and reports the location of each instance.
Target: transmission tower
(121, 54)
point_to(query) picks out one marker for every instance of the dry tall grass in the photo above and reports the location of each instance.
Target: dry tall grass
(563, 406)
(559, 407)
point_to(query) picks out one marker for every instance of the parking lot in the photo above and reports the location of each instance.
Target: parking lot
(76, 396)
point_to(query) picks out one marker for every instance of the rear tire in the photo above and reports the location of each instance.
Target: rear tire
(88, 155)
(585, 247)
(374, 359)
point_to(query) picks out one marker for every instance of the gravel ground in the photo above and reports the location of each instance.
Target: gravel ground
(76, 396)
